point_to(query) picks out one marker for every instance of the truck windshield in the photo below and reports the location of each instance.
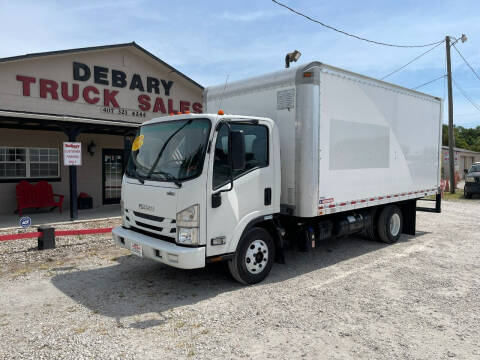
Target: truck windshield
(169, 151)
(475, 168)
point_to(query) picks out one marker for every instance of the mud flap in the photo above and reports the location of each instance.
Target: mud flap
(279, 244)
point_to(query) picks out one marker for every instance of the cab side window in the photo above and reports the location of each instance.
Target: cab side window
(256, 152)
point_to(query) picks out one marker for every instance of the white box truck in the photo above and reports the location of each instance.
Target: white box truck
(317, 152)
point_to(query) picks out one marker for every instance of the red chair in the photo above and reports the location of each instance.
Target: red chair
(37, 196)
(46, 197)
(26, 196)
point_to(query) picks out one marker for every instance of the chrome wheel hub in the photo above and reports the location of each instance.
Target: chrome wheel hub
(256, 257)
(395, 224)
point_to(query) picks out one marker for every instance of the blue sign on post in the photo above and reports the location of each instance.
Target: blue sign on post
(25, 222)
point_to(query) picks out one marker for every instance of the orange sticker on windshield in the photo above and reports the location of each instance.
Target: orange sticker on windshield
(137, 143)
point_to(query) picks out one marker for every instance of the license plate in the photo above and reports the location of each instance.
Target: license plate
(136, 249)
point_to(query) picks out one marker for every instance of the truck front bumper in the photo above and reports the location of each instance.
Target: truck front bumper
(159, 250)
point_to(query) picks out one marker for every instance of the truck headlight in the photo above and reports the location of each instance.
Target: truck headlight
(187, 236)
(469, 179)
(188, 217)
(187, 226)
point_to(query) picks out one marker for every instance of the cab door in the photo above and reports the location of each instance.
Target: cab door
(251, 196)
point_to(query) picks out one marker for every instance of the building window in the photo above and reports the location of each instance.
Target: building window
(29, 163)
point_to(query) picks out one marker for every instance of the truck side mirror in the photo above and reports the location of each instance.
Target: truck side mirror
(237, 148)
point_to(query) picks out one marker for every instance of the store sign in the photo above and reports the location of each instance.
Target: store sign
(72, 153)
(89, 86)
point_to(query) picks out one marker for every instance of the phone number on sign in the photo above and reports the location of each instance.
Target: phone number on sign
(123, 112)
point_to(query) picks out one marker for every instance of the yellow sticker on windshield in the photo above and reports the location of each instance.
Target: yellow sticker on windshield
(137, 143)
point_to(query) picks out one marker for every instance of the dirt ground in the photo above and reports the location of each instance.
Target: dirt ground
(349, 299)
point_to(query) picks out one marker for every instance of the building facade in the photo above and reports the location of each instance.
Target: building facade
(464, 159)
(93, 97)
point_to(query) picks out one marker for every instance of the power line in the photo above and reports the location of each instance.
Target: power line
(464, 93)
(411, 61)
(466, 62)
(352, 35)
(429, 82)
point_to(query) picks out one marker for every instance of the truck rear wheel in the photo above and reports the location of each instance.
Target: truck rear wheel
(390, 224)
(371, 225)
(254, 257)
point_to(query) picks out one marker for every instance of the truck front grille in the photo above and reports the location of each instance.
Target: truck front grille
(154, 235)
(157, 225)
(148, 226)
(148, 216)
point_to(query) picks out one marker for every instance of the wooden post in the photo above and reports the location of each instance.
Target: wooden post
(451, 134)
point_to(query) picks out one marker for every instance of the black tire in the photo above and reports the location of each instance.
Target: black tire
(238, 265)
(466, 194)
(387, 233)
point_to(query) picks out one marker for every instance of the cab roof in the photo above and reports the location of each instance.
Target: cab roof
(213, 117)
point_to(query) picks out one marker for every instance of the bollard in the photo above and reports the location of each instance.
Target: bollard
(46, 240)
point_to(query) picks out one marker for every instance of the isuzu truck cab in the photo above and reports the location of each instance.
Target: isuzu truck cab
(195, 185)
(319, 152)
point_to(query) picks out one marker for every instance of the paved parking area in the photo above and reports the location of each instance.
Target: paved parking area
(350, 298)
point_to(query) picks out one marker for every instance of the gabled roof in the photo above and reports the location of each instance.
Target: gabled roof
(103, 47)
(461, 150)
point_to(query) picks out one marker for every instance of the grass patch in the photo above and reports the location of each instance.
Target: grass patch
(21, 272)
(80, 330)
(447, 196)
(179, 325)
(454, 197)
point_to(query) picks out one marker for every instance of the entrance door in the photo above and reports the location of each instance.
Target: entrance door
(112, 173)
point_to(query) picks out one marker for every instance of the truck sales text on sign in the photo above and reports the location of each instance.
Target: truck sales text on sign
(72, 153)
(148, 86)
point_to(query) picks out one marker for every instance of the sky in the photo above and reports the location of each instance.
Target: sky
(210, 40)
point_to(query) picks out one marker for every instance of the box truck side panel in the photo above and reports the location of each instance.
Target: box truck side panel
(377, 142)
(269, 96)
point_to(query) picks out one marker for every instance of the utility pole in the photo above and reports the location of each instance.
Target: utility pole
(451, 139)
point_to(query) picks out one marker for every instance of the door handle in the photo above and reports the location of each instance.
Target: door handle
(267, 196)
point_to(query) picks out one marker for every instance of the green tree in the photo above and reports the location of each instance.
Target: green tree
(464, 138)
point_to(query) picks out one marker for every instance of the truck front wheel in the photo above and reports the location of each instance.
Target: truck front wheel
(254, 257)
(390, 224)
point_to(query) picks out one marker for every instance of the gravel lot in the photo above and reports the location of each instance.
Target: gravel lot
(350, 298)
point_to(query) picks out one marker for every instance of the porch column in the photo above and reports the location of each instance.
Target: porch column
(72, 134)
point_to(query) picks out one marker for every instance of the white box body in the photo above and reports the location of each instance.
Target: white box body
(346, 141)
